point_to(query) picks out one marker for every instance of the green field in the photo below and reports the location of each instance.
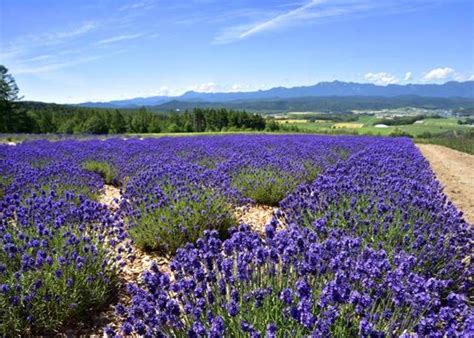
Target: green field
(429, 125)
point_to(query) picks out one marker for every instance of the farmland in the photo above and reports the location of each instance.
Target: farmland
(361, 238)
(366, 125)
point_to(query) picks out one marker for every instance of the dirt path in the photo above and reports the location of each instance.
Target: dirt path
(256, 216)
(455, 171)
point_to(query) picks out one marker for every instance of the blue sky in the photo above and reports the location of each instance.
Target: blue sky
(77, 50)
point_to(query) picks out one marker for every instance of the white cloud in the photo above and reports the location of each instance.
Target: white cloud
(381, 78)
(438, 74)
(118, 38)
(463, 77)
(408, 76)
(205, 87)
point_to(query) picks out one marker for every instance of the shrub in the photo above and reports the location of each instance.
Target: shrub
(57, 178)
(391, 202)
(180, 220)
(54, 266)
(166, 209)
(104, 169)
(291, 284)
(400, 133)
(265, 185)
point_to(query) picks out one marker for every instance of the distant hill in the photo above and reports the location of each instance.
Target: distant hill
(326, 104)
(322, 89)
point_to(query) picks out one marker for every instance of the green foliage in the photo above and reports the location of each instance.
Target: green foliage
(400, 120)
(4, 181)
(311, 170)
(95, 125)
(13, 119)
(459, 141)
(400, 133)
(468, 121)
(272, 125)
(343, 117)
(169, 227)
(53, 118)
(266, 186)
(104, 169)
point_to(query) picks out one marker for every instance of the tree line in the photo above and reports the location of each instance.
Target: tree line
(36, 117)
(52, 118)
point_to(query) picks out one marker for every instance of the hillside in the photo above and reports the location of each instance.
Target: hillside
(328, 104)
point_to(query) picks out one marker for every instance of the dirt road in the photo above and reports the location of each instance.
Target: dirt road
(455, 171)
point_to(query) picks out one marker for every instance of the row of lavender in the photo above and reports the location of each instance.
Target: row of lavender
(61, 250)
(372, 248)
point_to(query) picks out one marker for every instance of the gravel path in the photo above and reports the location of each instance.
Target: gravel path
(455, 170)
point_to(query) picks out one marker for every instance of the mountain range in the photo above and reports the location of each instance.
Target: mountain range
(333, 89)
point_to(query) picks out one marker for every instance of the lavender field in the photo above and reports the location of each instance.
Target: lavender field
(362, 240)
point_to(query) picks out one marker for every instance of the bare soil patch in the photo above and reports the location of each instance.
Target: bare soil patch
(256, 216)
(110, 197)
(455, 171)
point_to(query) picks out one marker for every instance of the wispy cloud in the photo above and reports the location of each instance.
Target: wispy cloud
(134, 5)
(60, 36)
(281, 19)
(49, 51)
(312, 11)
(118, 38)
(25, 44)
(55, 65)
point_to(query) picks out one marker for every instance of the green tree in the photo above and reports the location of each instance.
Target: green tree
(140, 121)
(12, 118)
(95, 125)
(117, 124)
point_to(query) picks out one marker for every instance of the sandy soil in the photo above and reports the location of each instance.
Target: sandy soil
(455, 171)
(110, 197)
(256, 216)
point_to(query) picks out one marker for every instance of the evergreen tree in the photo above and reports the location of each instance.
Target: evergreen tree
(13, 119)
(117, 123)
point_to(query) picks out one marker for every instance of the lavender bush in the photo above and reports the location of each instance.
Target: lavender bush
(54, 265)
(166, 207)
(293, 283)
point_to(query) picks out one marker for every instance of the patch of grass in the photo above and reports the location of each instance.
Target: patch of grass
(40, 163)
(104, 169)
(266, 186)
(312, 171)
(209, 162)
(463, 143)
(4, 181)
(181, 220)
(60, 191)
